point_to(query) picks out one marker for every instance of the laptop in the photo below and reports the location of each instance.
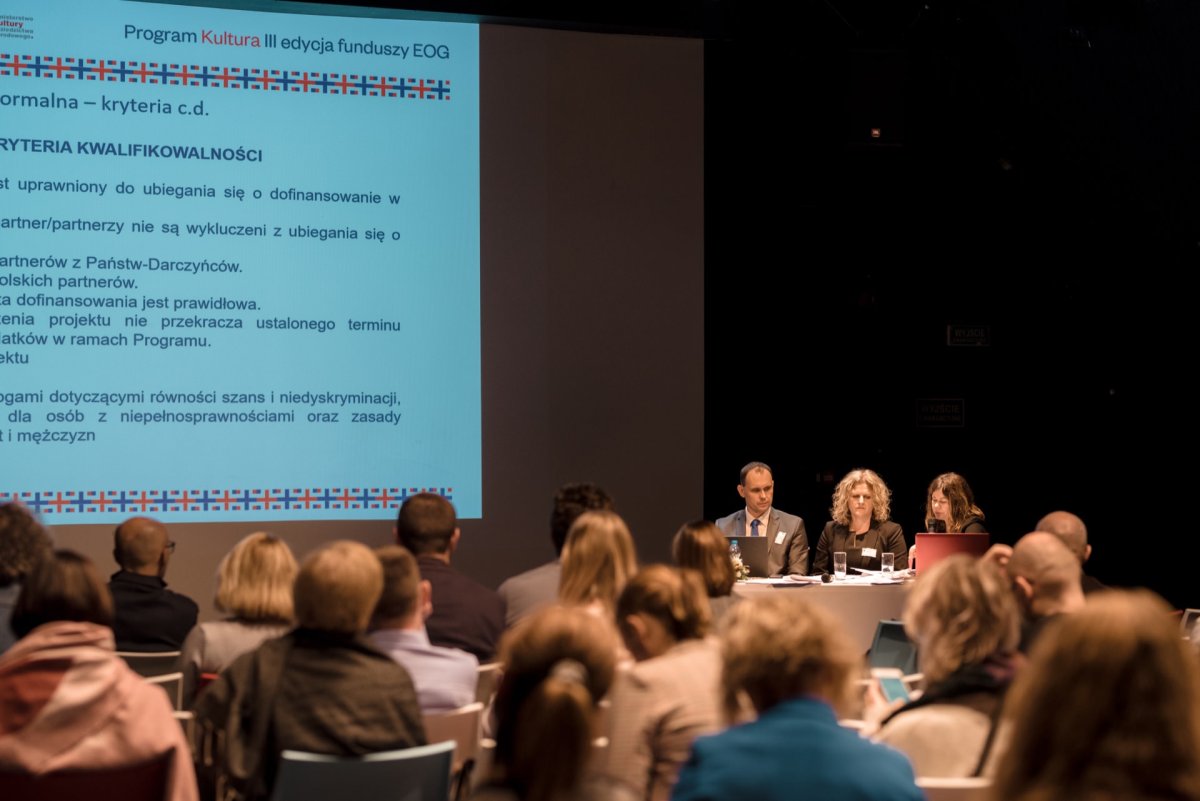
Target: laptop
(891, 648)
(933, 548)
(754, 554)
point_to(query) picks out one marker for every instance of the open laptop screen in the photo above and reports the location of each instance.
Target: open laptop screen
(754, 554)
(891, 648)
(933, 548)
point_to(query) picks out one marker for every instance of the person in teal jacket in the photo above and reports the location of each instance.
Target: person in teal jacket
(793, 664)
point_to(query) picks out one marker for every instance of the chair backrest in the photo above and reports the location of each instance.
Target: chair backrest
(600, 719)
(187, 722)
(965, 789)
(411, 774)
(487, 678)
(172, 684)
(151, 663)
(142, 781)
(461, 726)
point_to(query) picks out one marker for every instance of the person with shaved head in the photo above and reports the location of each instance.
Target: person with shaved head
(1045, 580)
(1073, 533)
(147, 616)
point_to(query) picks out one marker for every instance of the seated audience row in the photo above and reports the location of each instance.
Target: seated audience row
(782, 670)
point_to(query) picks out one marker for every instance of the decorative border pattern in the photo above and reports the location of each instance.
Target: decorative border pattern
(248, 78)
(229, 500)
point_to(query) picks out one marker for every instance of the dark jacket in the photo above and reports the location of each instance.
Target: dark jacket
(883, 536)
(147, 616)
(310, 691)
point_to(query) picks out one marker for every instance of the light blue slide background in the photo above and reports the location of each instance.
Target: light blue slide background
(425, 151)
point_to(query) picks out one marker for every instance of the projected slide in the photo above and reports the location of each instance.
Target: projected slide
(239, 262)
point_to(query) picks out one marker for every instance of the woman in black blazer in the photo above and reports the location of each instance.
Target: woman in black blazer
(861, 526)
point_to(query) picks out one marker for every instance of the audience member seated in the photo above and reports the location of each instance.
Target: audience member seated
(598, 559)
(1107, 708)
(861, 526)
(445, 678)
(797, 668)
(965, 623)
(466, 614)
(672, 695)
(701, 546)
(147, 616)
(557, 665)
(67, 701)
(950, 500)
(1045, 580)
(23, 542)
(1073, 533)
(322, 688)
(527, 592)
(254, 587)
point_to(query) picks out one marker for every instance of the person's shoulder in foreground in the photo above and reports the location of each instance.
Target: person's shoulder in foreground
(795, 750)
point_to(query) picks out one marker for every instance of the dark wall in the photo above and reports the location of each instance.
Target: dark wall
(1034, 183)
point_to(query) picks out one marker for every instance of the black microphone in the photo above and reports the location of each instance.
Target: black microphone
(934, 526)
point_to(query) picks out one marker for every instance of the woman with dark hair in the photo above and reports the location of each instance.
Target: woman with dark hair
(557, 664)
(861, 525)
(672, 694)
(23, 542)
(70, 702)
(1108, 708)
(950, 501)
(701, 546)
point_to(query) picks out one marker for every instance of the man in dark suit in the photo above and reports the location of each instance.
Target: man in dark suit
(466, 614)
(146, 615)
(787, 549)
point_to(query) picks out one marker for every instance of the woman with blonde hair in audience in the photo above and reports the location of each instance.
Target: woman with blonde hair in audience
(796, 667)
(597, 560)
(962, 616)
(1108, 708)
(672, 694)
(323, 687)
(557, 664)
(861, 526)
(69, 702)
(254, 588)
(701, 546)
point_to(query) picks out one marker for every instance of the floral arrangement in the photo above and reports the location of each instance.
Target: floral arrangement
(741, 571)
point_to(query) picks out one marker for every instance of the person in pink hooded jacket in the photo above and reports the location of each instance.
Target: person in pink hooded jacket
(67, 701)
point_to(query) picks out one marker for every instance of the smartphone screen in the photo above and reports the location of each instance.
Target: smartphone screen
(893, 688)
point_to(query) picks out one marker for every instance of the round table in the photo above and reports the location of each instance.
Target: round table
(860, 606)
